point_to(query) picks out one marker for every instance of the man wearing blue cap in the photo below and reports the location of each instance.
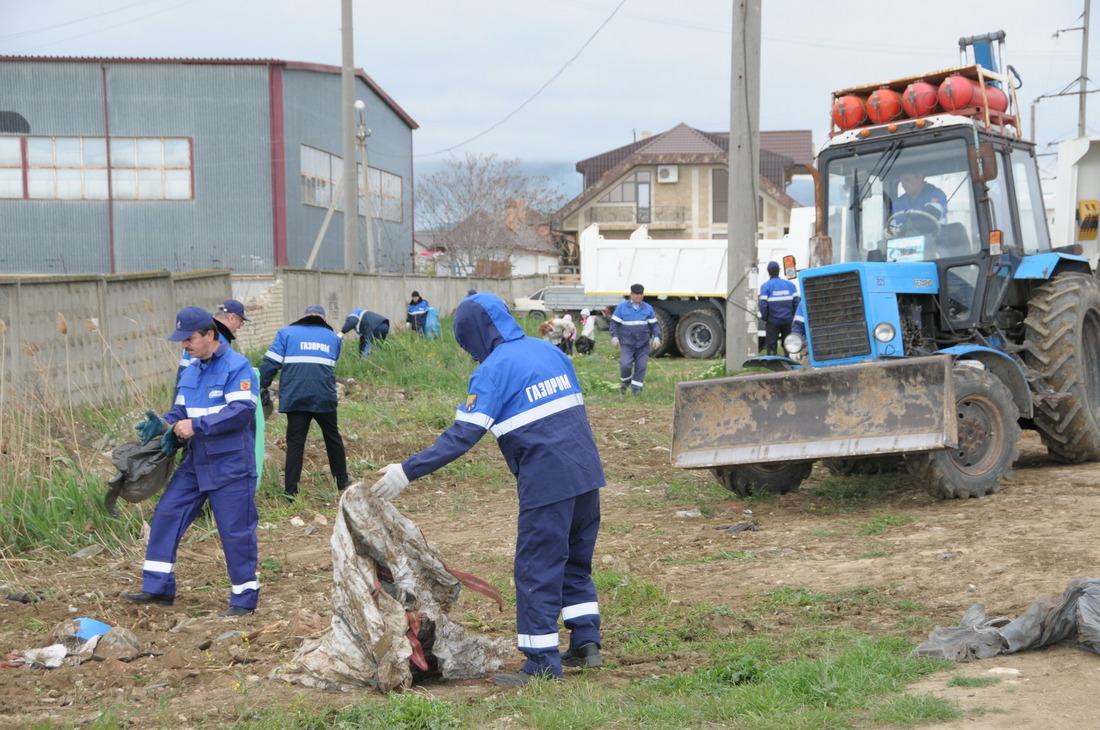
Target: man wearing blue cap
(214, 414)
(306, 352)
(778, 303)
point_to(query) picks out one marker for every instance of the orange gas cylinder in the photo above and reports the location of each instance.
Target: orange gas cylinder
(883, 105)
(849, 111)
(919, 99)
(959, 92)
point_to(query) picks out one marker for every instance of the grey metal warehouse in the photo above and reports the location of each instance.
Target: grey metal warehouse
(113, 165)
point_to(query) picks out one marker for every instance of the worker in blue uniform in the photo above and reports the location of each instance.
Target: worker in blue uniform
(526, 393)
(370, 326)
(634, 331)
(417, 316)
(778, 302)
(306, 352)
(214, 415)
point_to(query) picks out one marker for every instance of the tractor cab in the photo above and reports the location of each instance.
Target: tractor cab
(944, 191)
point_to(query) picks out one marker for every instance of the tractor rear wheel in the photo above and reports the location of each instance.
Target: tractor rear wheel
(1063, 341)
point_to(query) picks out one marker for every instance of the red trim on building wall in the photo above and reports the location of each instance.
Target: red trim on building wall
(278, 163)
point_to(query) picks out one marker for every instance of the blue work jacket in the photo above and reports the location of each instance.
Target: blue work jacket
(526, 393)
(306, 352)
(634, 325)
(219, 396)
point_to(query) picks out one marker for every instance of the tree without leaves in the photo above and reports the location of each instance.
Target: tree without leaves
(477, 207)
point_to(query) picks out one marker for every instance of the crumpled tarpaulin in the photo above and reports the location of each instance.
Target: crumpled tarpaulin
(390, 603)
(1072, 620)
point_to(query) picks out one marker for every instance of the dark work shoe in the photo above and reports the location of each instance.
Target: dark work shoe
(235, 611)
(521, 678)
(291, 496)
(341, 487)
(161, 599)
(622, 390)
(586, 655)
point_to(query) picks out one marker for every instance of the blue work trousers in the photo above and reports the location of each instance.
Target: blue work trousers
(234, 509)
(553, 574)
(633, 360)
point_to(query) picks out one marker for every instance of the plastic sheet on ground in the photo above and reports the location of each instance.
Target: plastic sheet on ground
(1072, 620)
(391, 600)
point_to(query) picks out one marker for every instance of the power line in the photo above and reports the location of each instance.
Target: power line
(540, 89)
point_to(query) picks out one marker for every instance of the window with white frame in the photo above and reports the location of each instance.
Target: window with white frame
(321, 174)
(76, 168)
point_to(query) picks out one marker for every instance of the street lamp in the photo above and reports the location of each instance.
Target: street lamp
(361, 134)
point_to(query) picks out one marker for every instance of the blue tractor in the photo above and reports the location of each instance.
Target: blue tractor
(941, 322)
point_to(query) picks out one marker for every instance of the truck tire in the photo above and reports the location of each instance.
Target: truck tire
(700, 335)
(536, 316)
(988, 440)
(664, 321)
(1063, 343)
(863, 465)
(777, 478)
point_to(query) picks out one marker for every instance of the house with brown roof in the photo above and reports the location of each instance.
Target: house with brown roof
(676, 184)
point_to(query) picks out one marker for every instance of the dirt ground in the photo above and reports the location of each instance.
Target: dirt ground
(1029, 539)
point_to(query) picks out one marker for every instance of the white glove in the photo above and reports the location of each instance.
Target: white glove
(392, 483)
(340, 335)
(655, 343)
(615, 342)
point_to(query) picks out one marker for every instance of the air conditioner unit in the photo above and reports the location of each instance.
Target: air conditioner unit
(668, 173)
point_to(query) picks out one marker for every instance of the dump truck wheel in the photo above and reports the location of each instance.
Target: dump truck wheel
(700, 334)
(751, 479)
(1063, 340)
(536, 316)
(668, 333)
(863, 466)
(988, 440)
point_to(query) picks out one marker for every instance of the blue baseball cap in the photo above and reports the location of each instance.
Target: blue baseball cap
(190, 320)
(315, 310)
(232, 306)
(773, 266)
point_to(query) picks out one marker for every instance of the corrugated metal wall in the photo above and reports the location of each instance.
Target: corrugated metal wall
(225, 110)
(85, 339)
(312, 117)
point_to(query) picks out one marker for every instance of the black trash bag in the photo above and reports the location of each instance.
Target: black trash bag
(142, 472)
(1072, 620)
(585, 345)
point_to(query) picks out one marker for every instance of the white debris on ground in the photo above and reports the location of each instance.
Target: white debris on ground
(388, 579)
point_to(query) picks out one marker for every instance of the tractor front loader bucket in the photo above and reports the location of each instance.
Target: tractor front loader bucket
(881, 407)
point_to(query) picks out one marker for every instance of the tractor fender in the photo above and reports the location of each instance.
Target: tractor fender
(1007, 370)
(774, 363)
(1045, 266)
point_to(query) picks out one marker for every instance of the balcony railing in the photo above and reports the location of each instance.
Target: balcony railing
(633, 215)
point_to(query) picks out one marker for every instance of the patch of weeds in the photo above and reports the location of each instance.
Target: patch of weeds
(272, 565)
(959, 680)
(880, 553)
(879, 524)
(914, 623)
(31, 625)
(843, 494)
(909, 710)
(405, 711)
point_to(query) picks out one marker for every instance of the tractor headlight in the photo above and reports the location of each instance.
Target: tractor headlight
(793, 344)
(885, 332)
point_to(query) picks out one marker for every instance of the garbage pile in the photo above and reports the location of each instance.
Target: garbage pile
(392, 596)
(1072, 620)
(74, 642)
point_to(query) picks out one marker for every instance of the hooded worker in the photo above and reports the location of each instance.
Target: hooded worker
(526, 392)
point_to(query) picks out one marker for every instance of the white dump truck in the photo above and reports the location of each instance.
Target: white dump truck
(685, 280)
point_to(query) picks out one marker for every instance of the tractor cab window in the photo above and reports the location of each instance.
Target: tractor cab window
(902, 203)
(1029, 202)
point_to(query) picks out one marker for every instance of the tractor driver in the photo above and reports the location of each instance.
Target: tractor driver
(921, 208)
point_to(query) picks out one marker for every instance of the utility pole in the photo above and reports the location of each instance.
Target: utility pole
(1084, 70)
(744, 176)
(351, 196)
(361, 134)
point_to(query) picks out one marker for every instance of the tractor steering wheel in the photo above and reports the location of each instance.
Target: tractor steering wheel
(893, 228)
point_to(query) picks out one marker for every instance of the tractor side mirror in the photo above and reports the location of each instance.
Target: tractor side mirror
(983, 162)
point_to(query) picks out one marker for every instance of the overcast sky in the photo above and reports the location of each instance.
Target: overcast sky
(475, 69)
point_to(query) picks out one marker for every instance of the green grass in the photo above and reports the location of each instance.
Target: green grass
(958, 680)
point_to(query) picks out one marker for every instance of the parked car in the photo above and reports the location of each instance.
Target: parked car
(562, 299)
(532, 306)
